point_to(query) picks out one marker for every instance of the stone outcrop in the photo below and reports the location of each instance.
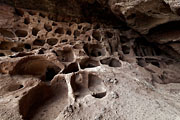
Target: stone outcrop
(144, 15)
(69, 64)
(149, 18)
(157, 20)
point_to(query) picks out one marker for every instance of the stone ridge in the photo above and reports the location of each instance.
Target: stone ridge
(69, 70)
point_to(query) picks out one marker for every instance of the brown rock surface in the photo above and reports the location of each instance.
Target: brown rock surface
(143, 15)
(74, 68)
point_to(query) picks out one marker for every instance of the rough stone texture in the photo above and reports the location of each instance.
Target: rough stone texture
(6, 18)
(142, 15)
(93, 70)
(158, 20)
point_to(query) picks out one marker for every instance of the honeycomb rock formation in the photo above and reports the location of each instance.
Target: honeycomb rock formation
(93, 70)
(156, 19)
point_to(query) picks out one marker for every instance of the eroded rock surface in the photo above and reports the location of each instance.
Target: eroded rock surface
(144, 15)
(66, 70)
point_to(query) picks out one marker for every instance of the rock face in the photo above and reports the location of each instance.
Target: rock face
(157, 20)
(148, 17)
(143, 15)
(67, 65)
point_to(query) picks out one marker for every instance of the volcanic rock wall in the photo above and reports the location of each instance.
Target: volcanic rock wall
(69, 65)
